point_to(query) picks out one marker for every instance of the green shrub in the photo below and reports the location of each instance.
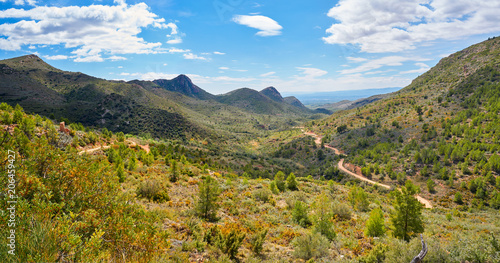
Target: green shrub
(310, 245)
(6, 119)
(257, 241)
(376, 255)
(341, 210)
(358, 198)
(228, 242)
(458, 198)
(153, 191)
(262, 194)
(273, 188)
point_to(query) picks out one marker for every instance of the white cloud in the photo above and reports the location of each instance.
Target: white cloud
(423, 68)
(268, 74)
(192, 56)
(397, 25)
(267, 26)
(175, 36)
(219, 53)
(230, 69)
(95, 58)
(380, 62)
(356, 60)
(91, 31)
(231, 79)
(117, 58)
(23, 2)
(175, 41)
(56, 57)
(310, 73)
(178, 50)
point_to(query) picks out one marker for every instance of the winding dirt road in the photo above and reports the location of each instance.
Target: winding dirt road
(425, 202)
(131, 144)
(94, 149)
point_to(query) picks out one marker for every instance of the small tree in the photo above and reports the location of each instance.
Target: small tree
(120, 173)
(358, 198)
(299, 214)
(431, 185)
(174, 174)
(208, 196)
(406, 218)
(458, 198)
(375, 227)
(291, 182)
(120, 137)
(279, 179)
(273, 188)
(132, 162)
(322, 217)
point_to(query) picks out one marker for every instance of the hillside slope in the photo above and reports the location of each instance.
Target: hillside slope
(442, 131)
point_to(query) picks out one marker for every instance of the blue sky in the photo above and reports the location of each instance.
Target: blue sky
(296, 46)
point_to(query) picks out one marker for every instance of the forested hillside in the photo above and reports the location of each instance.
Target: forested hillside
(442, 131)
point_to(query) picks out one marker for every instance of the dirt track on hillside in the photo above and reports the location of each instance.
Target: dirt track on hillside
(425, 202)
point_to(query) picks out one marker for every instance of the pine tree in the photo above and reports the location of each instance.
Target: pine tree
(430, 186)
(279, 179)
(406, 218)
(299, 214)
(120, 173)
(174, 174)
(291, 182)
(208, 196)
(322, 217)
(132, 163)
(375, 226)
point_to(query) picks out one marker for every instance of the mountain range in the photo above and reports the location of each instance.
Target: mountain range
(162, 108)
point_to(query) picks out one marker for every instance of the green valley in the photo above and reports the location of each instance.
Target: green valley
(163, 171)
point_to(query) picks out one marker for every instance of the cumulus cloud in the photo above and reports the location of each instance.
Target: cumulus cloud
(91, 31)
(397, 25)
(267, 26)
(219, 53)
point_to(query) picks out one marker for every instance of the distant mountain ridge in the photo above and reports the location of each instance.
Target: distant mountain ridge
(184, 85)
(164, 108)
